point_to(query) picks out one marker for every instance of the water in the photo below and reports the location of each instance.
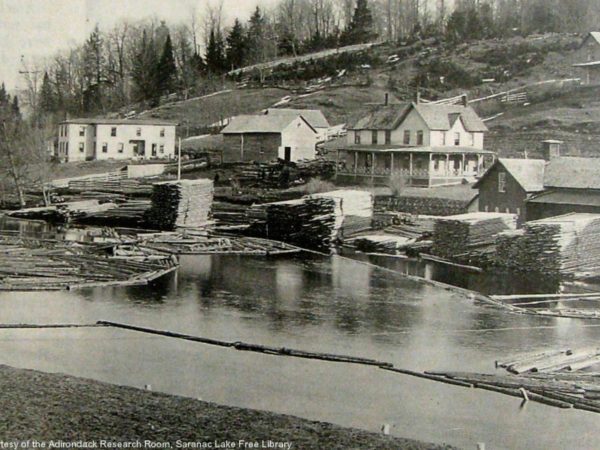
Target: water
(312, 303)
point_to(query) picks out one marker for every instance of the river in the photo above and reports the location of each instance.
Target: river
(317, 303)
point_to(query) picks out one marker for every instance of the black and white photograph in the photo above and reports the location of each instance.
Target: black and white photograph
(300, 224)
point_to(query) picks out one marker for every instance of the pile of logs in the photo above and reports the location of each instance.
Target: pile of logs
(229, 216)
(185, 203)
(563, 378)
(379, 243)
(563, 246)
(206, 244)
(307, 222)
(131, 213)
(30, 264)
(470, 237)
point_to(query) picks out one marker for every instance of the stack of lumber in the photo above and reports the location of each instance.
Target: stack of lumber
(130, 213)
(315, 168)
(354, 210)
(132, 187)
(307, 222)
(229, 215)
(468, 237)
(415, 227)
(184, 203)
(62, 212)
(28, 264)
(563, 246)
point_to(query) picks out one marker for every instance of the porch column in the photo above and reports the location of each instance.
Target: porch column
(447, 165)
(355, 164)
(429, 171)
(410, 169)
(391, 163)
(479, 163)
(462, 170)
(372, 165)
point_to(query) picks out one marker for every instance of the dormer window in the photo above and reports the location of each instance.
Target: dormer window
(374, 137)
(357, 137)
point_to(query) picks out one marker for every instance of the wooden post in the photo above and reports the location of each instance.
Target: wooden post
(391, 163)
(372, 165)
(429, 171)
(179, 161)
(242, 146)
(463, 164)
(355, 165)
(447, 165)
(410, 168)
(337, 162)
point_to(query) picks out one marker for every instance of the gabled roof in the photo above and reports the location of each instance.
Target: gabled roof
(105, 121)
(529, 173)
(595, 35)
(442, 117)
(585, 198)
(382, 117)
(436, 117)
(573, 173)
(260, 123)
(313, 116)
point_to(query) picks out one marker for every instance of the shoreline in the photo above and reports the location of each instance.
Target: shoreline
(76, 412)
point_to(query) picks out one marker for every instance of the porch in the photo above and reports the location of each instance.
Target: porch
(422, 167)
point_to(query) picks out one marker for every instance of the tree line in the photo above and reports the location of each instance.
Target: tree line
(143, 61)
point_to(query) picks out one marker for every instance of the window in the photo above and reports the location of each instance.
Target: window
(420, 137)
(138, 131)
(153, 149)
(374, 137)
(161, 149)
(81, 131)
(81, 147)
(120, 147)
(357, 137)
(388, 137)
(162, 132)
(104, 147)
(436, 164)
(113, 131)
(406, 137)
(443, 138)
(457, 138)
(66, 148)
(501, 182)
(95, 130)
(472, 139)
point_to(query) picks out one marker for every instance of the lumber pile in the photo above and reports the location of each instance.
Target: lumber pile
(131, 187)
(354, 210)
(229, 215)
(307, 222)
(470, 237)
(131, 213)
(563, 246)
(411, 226)
(185, 203)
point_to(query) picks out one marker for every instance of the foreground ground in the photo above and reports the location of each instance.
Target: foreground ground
(44, 407)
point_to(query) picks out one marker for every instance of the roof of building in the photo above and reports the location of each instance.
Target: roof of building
(587, 64)
(436, 117)
(260, 123)
(583, 198)
(594, 35)
(314, 117)
(424, 149)
(106, 121)
(573, 172)
(529, 173)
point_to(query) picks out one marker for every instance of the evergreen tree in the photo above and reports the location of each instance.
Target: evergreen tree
(236, 46)
(215, 55)
(166, 71)
(47, 102)
(93, 71)
(256, 36)
(360, 28)
(144, 70)
(15, 108)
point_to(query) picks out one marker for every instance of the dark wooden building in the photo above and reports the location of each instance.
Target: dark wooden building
(571, 185)
(587, 58)
(507, 185)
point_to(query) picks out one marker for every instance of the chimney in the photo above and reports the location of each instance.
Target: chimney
(464, 100)
(551, 149)
(386, 100)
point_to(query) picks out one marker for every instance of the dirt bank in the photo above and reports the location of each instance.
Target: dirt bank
(50, 407)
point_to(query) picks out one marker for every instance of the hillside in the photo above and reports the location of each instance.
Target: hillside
(345, 88)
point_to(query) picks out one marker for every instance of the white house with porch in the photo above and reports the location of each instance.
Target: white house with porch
(427, 144)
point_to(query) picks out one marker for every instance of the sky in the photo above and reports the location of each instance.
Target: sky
(31, 29)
